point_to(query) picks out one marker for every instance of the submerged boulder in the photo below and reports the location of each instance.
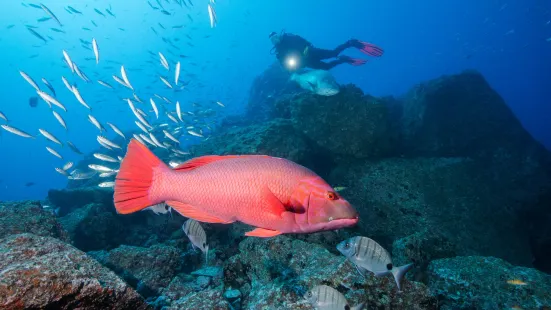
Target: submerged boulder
(488, 283)
(347, 124)
(147, 269)
(461, 115)
(472, 212)
(70, 199)
(45, 273)
(277, 272)
(29, 217)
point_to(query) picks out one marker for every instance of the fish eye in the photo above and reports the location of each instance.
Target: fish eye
(309, 294)
(389, 266)
(331, 195)
(347, 245)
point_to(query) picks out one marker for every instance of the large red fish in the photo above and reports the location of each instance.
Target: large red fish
(273, 194)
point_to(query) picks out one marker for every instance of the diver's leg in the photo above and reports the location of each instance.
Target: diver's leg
(320, 53)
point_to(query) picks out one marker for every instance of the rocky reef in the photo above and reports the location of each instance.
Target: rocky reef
(445, 177)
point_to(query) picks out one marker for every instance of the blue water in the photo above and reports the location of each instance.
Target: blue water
(505, 40)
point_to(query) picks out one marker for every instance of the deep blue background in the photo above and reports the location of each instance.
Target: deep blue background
(506, 40)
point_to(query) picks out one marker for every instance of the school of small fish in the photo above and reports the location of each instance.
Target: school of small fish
(162, 122)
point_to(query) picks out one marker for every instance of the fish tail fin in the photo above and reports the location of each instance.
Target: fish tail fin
(399, 273)
(358, 307)
(135, 178)
(207, 255)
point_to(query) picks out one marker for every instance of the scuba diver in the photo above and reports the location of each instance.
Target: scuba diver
(294, 52)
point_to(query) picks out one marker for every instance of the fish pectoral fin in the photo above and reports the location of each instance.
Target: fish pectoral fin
(272, 205)
(262, 233)
(193, 213)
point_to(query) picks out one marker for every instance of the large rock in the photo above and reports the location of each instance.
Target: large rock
(147, 269)
(70, 199)
(461, 199)
(275, 273)
(45, 273)
(348, 124)
(487, 283)
(461, 115)
(29, 217)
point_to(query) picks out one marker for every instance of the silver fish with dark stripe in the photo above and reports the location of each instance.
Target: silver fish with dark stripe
(368, 255)
(323, 297)
(197, 236)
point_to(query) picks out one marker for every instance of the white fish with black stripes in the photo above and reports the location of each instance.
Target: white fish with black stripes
(196, 234)
(368, 255)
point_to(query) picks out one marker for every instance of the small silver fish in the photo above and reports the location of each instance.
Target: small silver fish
(167, 83)
(174, 164)
(59, 119)
(163, 61)
(53, 152)
(67, 84)
(105, 84)
(107, 184)
(29, 80)
(96, 49)
(177, 73)
(116, 130)
(123, 83)
(62, 172)
(67, 166)
(366, 254)
(100, 168)
(146, 139)
(196, 234)
(171, 137)
(96, 123)
(154, 139)
(106, 141)
(49, 99)
(73, 148)
(107, 174)
(81, 175)
(16, 131)
(194, 133)
(49, 86)
(139, 139)
(77, 94)
(49, 136)
(179, 111)
(323, 297)
(154, 108)
(125, 78)
(3, 116)
(105, 158)
(68, 61)
(141, 126)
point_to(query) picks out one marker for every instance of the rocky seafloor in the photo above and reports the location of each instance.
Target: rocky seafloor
(445, 177)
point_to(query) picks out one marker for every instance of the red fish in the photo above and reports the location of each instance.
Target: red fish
(273, 194)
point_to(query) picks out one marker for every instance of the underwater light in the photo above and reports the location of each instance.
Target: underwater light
(291, 62)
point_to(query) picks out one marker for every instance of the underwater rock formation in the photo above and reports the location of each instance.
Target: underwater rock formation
(458, 197)
(277, 272)
(29, 217)
(70, 199)
(45, 273)
(147, 269)
(476, 282)
(461, 115)
(347, 124)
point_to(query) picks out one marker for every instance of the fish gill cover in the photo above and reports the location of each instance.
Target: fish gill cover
(420, 120)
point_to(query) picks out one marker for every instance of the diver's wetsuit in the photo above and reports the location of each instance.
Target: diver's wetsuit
(307, 55)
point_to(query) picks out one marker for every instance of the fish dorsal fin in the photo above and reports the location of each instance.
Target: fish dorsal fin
(205, 160)
(194, 213)
(202, 161)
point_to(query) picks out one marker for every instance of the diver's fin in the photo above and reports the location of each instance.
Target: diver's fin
(371, 49)
(193, 213)
(263, 233)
